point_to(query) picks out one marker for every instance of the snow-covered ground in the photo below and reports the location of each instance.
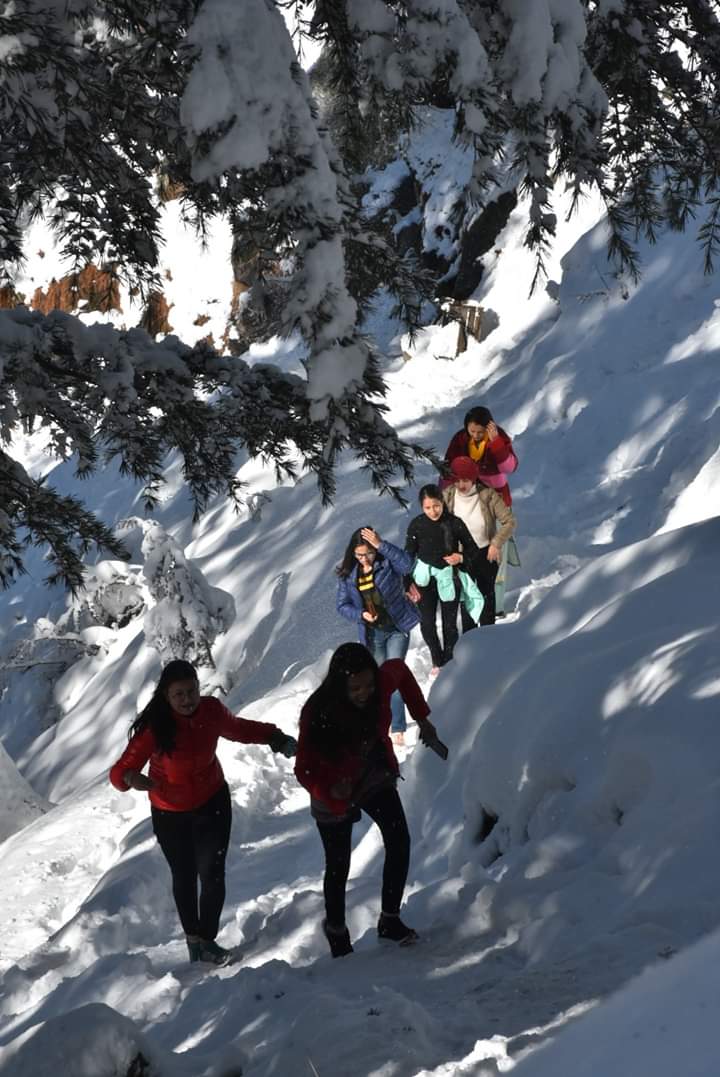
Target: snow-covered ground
(563, 856)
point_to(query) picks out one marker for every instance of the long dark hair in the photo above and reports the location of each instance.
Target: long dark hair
(157, 714)
(349, 560)
(335, 723)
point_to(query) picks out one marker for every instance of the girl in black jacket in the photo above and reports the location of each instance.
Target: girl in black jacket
(441, 543)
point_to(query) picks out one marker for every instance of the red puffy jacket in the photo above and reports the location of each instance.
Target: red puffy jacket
(499, 460)
(191, 773)
(319, 774)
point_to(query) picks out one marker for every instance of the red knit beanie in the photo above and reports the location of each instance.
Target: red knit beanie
(463, 467)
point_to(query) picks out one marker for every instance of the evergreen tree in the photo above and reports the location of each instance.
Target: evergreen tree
(619, 94)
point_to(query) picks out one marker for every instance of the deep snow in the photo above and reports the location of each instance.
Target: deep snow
(570, 843)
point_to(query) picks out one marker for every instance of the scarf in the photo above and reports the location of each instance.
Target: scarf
(476, 452)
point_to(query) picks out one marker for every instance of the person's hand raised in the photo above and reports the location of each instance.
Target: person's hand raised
(491, 430)
(371, 537)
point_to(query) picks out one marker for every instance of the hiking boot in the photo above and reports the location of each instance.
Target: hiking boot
(207, 950)
(392, 928)
(338, 938)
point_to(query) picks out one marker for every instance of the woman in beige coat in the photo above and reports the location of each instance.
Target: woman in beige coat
(490, 522)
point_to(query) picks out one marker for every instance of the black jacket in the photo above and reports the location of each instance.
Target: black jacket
(431, 540)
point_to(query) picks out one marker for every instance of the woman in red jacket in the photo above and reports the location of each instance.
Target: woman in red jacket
(346, 761)
(489, 446)
(178, 733)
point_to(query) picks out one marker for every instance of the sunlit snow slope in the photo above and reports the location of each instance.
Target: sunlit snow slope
(570, 842)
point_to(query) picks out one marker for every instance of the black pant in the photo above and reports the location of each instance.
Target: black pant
(385, 809)
(483, 573)
(427, 608)
(195, 845)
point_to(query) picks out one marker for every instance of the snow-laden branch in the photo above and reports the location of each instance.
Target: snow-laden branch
(103, 394)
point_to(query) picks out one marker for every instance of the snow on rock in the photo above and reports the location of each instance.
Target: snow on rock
(92, 1041)
(29, 671)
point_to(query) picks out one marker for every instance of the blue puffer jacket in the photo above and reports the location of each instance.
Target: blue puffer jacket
(391, 565)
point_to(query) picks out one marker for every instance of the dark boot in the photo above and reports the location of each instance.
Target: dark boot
(338, 938)
(207, 950)
(391, 927)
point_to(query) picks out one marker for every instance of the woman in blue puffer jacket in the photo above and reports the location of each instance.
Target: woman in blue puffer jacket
(371, 593)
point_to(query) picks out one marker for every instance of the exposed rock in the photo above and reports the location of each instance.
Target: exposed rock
(9, 298)
(477, 240)
(112, 595)
(167, 189)
(405, 195)
(553, 290)
(155, 315)
(93, 1039)
(90, 289)
(255, 312)
(115, 604)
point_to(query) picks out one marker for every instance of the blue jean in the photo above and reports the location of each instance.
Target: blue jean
(384, 645)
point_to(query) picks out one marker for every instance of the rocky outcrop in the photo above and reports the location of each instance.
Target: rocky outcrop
(476, 241)
(90, 289)
(9, 298)
(155, 316)
(408, 211)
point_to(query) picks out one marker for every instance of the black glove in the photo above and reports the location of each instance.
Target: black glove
(281, 742)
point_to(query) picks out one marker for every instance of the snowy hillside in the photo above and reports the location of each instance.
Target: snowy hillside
(569, 844)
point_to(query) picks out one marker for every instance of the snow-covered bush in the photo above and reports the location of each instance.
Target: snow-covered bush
(188, 613)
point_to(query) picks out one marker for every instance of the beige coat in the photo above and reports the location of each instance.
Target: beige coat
(499, 517)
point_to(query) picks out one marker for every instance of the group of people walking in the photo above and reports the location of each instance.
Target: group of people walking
(454, 557)
(454, 552)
